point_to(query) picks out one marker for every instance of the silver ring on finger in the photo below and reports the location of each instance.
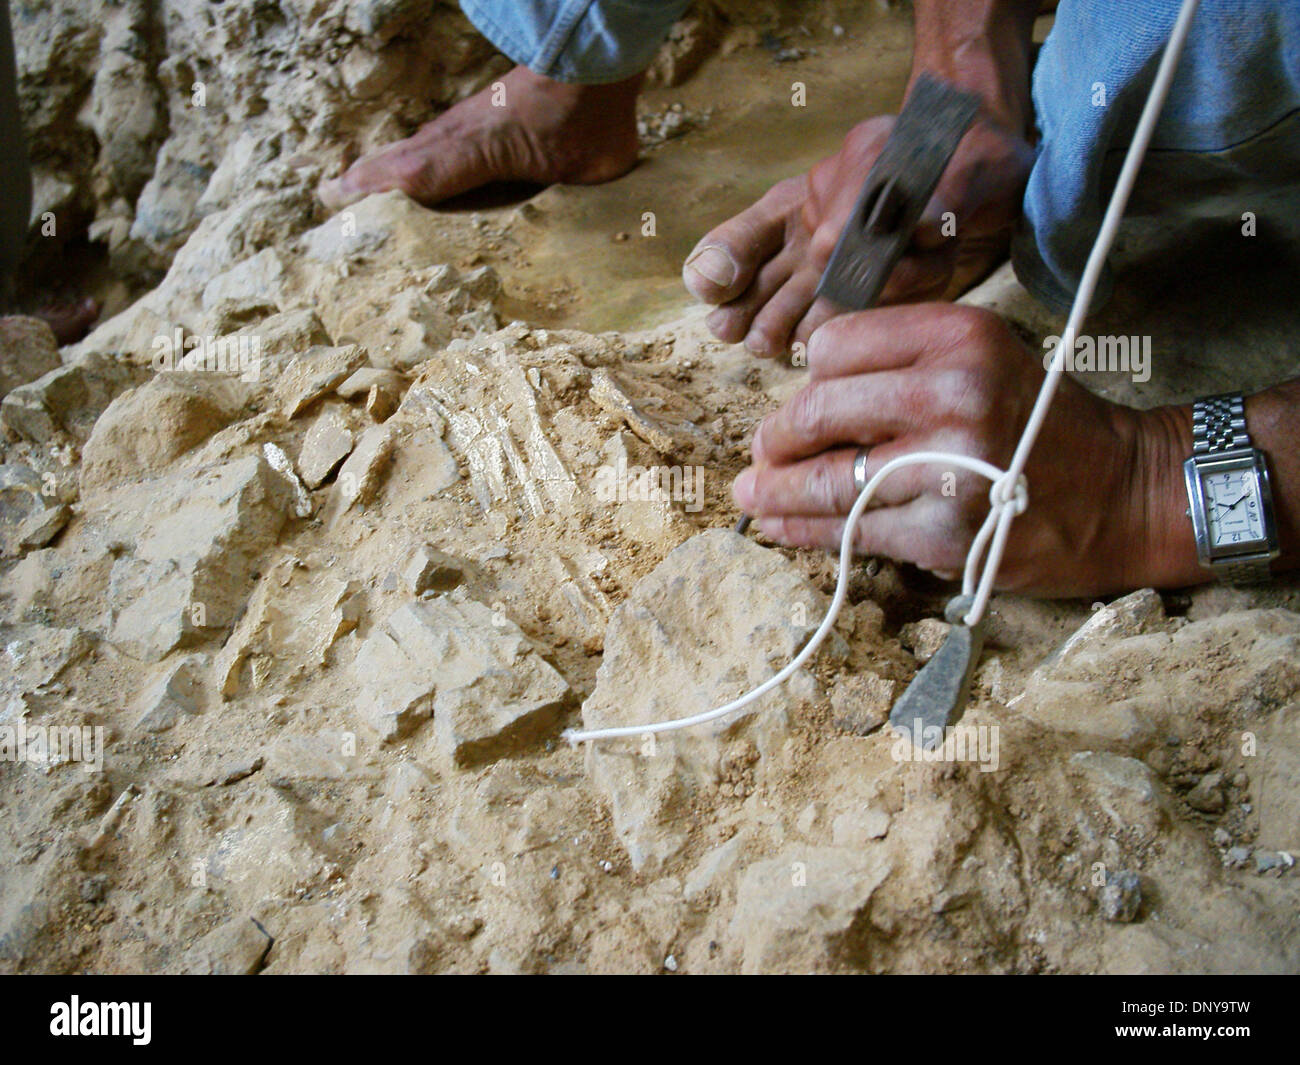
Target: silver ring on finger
(860, 470)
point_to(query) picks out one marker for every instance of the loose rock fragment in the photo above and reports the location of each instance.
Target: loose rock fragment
(24, 509)
(236, 948)
(279, 461)
(40, 527)
(360, 475)
(67, 400)
(861, 702)
(315, 373)
(1208, 796)
(327, 443)
(193, 557)
(177, 692)
(431, 570)
(27, 351)
(146, 429)
(1121, 897)
(469, 667)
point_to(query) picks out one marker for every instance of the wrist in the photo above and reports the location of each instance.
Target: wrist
(1162, 532)
(983, 48)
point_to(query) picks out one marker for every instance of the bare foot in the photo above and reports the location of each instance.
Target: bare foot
(528, 128)
(761, 268)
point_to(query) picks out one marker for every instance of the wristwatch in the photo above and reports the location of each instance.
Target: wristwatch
(1231, 501)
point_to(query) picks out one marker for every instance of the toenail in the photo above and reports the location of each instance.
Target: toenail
(713, 264)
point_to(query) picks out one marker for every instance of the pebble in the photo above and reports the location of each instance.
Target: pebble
(1207, 796)
(670, 963)
(1238, 856)
(1267, 861)
(1121, 898)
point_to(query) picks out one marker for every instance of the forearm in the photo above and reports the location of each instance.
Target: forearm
(983, 46)
(1170, 560)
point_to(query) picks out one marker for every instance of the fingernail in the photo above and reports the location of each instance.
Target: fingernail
(757, 344)
(743, 490)
(714, 265)
(818, 341)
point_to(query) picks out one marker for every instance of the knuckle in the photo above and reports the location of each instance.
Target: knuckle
(810, 414)
(977, 327)
(823, 243)
(968, 395)
(823, 487)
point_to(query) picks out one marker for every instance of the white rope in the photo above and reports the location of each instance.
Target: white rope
(1009, 495)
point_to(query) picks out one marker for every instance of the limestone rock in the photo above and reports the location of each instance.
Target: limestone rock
(35, 657)
(280, 462)
(861, 702)
(1124, 789)
(66, 400)
(27, 351)
(368, 73)
(360, 475)
(411, 330)
(236, 948)
(315, 373)
(256, 280)
(1207, 795)
(40, 527)
(429, 569)
(718, 616)
(191, 564)
(177, 692)
(796, 912)
(327, 443)
(326, 756)
(924, 637)
(469, 667)
(856, 828)
(368, 377)
(292, 620)
(23, 505)
(1138, 612)
(145, 429)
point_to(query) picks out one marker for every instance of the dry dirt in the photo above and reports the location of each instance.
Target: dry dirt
(332, 616)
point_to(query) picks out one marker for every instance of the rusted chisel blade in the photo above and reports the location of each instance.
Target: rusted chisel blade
(938, 693)
(896, 191)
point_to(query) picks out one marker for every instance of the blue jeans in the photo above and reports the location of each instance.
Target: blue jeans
(589, 42)
(1228, 141)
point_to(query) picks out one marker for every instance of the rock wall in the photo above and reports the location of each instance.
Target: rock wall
(145, 116)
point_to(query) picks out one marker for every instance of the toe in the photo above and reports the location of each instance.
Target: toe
(724, 263)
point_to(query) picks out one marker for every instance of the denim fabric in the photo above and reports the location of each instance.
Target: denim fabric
(1228, 140)
(589, 42)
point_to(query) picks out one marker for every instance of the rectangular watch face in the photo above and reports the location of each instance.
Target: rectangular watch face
(1234, 511)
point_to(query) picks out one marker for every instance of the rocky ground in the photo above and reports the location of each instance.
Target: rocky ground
(333, 607)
